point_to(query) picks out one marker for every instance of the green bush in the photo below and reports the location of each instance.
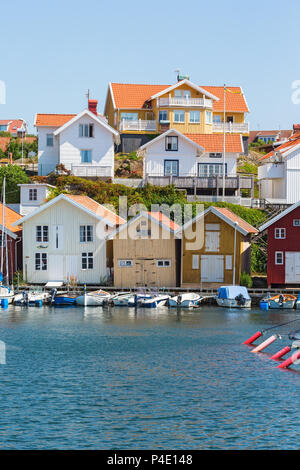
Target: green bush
(246, 280)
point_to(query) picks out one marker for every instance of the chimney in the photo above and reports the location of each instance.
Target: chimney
(93, 106)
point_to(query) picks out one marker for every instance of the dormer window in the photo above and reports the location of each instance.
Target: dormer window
(86, 130)
(172, 143)
(32, 194)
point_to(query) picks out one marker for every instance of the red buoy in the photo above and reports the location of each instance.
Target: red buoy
(281, 353)
(265, 344)
(253, 338)
(291, 360)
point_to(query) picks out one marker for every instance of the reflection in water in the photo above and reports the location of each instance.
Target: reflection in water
(127, 379)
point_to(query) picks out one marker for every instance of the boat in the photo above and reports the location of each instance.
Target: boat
(286, 301)
(6, 293)
(62, 298)
(154, 301)
(121, 299)
(233, 296)
(187, 300)
(93, 298)
(31, 298)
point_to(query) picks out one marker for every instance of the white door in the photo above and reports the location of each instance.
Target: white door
(212, 268)
(71, 267)
(58, 239)
(212, 241)
(292, 267)
(56, 267)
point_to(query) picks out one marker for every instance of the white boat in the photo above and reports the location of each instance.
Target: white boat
(93, 298)
(233, 296)
(121, 299)
(6, 293)
(31, 298)
(154, 301)
(187, 300)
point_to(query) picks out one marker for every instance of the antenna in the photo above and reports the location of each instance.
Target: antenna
(88, 94)
(177, 71)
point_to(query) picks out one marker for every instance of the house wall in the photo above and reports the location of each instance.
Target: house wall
(187, 157)
(275, 272)
(192, 277)
(70, 218)
(14, 255)
(26, 205)
(48, 156)
(144, 252)
(293, 177)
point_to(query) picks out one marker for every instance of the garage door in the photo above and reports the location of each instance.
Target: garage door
(292, 267)
(212, 268)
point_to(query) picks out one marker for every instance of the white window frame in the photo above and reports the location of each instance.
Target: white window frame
(208, 117)
(180, 112)
(279, 233)
(32, 194)
(215, 154)
(85, 233)
(296, 223)
(276, 260)
(192, 121)
(125, 263)
(195, 262)
(41, 255)
(49, 138)
(44, 238)
(89, 255)
(86, 130)
(166, 263)
(162, 111)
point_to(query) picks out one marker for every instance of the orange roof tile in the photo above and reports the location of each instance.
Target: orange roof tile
(52, 120)
(164, 219)
(235, 218)
(292, 142)
(13, 124)
(10, 217)
(134, 96)
(214, 142)
(97, 208)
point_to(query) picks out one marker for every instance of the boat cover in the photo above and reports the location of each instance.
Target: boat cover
(231, 292)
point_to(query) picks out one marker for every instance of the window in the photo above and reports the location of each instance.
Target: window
(211, 169)
(42, 233)
(217, 119)
(41, 262)
(86, 156)
(215, 155)
(86, 233)
(208, 115)
(228, 262)
(279, 233)
(49, 140)
(143, 232)
(278, 257)
(171, 168)
(3, 127)
(296, 222)
(194, 116)
(171, 143)
(129, 116)
(125, 263)
(179, 116)
(163, 263)
(87, 260)
(230, 119)
(195, 262)
(86, 130)
(163, 116)
(182, 93)
(32, 194)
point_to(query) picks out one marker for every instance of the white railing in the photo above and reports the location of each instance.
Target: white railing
(91, 170)
(139, 125)
(202, 102)
(242, 128)
(242, 201)
(270, 171)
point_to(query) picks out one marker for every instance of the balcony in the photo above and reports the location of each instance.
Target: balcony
(203, 182)
(270, 171)
(189, 102)
(139, 125)
(92, 171)
(231, 127)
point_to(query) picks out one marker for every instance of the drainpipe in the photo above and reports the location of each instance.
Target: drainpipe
(234, 253)
(16, 253)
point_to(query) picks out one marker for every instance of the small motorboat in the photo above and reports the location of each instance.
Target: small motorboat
(154, 301)
(233, 296)
(187, 300)
(6, 294)
(282, 301)
(121, 299)
(31, 298)
(94, 298)
(63, 298)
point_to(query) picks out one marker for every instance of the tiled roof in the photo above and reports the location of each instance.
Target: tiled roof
(282, 134)
(292, 142)
(134, 96)
(214, 142)
(98, 209)
(235, 218)
(13, 124)
(10, 217)
(164, 220)
(53, 120)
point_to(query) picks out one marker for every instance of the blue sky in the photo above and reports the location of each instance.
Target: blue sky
(51, 53)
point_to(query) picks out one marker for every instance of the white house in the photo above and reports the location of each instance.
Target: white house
(191, 159)
(279, 173)
(83, 143)
(65, 239)
(32, 195)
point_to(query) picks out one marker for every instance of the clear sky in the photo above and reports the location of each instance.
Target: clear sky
(52, 52)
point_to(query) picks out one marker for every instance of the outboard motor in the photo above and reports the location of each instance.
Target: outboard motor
(25, 297)
(281, 299)
(179, 299)
(240, 299)
(53, 294)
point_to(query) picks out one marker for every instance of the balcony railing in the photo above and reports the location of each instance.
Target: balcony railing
(139, 125)
(202, 182)
(91, 171)
(201, 102)
(231, 127)
(271, 171)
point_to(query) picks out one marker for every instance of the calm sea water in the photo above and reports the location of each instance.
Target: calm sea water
(119, 379)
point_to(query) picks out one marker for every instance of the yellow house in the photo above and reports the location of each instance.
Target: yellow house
(146, 252)
(215, 248)
(138, 111)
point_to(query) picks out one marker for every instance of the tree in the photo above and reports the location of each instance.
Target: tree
(14, 175)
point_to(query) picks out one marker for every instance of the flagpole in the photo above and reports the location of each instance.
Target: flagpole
(223, 167)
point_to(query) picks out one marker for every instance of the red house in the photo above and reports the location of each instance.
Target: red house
(283, 265)
(12, 256)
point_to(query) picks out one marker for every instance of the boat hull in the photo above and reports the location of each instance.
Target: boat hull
(90, 300)
(232, 303)
(155, 302)
(64, 300)
(289, 304)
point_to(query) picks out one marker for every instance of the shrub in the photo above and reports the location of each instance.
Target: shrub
(246, 280)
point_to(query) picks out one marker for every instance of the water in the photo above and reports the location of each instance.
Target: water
(88, 378)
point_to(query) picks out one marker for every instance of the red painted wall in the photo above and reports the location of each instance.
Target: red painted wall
(14, 250)
(276, 273)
